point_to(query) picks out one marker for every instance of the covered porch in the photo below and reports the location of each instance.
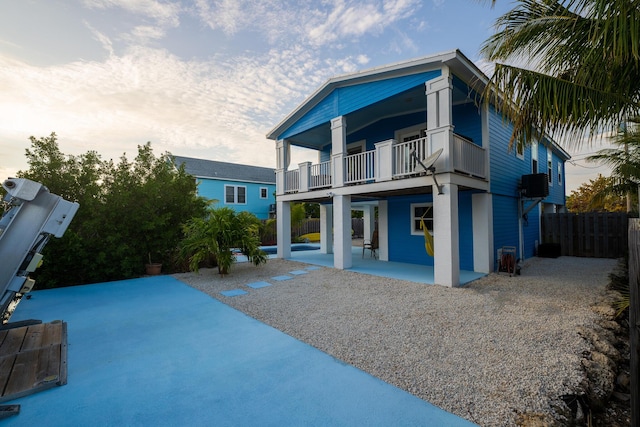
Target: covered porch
(369, 265)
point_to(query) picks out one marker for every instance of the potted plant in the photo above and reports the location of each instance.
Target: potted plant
(153, 268)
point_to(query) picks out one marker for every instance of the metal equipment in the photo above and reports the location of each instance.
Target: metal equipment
(31, 215)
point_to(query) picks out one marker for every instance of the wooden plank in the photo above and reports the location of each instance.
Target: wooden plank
(23, 375)
(13, 341)
(6, 366)
(634, 317)
(52, 333)
(33, 337)
(48, 369)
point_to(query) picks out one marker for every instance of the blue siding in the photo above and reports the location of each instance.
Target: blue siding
(466, 122)
(385, 129)
(213, 189)
(505, 222)
(345, 100)
(405, 247)
(531, 231)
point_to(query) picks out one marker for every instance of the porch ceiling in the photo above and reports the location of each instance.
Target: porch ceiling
(403, 103)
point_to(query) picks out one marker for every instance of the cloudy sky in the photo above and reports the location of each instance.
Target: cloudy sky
(203, 78)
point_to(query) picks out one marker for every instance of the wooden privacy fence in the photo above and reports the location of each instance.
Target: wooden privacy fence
(634, 318)
(593, 234)
(309, 225)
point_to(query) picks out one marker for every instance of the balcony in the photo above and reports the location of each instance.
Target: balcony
(389, 161)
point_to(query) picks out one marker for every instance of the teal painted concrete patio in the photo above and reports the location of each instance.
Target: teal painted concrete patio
(369, 265)
(157, 352)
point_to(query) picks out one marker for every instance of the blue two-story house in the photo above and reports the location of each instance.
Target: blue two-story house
(376, 131)
(240, 187)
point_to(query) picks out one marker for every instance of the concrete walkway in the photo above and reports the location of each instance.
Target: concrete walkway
(156, 352)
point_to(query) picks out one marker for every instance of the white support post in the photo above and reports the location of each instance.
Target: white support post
(446, 243)
(283, 225)
(338, 149)
(384, 160)
(326, 229)
(483, 251)
(280, 167)
(439, 93)
(304, 176)
(383, 230)
(369, 222)
(342, 258)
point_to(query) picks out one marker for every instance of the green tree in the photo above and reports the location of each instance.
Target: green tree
(128, 212)
(217, 235)
(584, 59)
(592, 196)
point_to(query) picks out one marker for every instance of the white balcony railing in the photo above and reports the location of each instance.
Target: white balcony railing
(403, 161)
(467, 157)
(397, 160)
(292, 181)
(320, 175)
(359, 167)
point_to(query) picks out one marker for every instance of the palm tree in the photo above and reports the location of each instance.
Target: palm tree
(624, 161)
(218, 235)
(583, 67)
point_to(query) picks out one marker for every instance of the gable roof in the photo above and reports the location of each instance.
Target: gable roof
(454, 59)
(212, 169)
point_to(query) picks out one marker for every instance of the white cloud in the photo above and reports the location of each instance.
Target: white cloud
(165, 13)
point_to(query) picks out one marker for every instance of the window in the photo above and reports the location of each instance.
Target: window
(235, 194)
(264, 191)
(550, 168)
(534, 157)
(559, 174)
(520, 150)
(421, 211)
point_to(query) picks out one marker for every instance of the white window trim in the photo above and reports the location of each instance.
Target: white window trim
(520, 146)
(362, 144)
(414, 218)
(266, 193)
(534, 157)
(559, 173)
(235, 194)
(411, 130)
(550, 168)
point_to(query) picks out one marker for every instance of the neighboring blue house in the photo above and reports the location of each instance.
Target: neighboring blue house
(367, 125)
(241, 187)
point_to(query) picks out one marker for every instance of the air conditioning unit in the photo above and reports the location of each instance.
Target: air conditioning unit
(535, 185)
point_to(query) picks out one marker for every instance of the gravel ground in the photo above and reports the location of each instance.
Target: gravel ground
(499, 347)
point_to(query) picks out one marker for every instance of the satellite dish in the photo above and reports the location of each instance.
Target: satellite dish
(430, 161)
(428, 165)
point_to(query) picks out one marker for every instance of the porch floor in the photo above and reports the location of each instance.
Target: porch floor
(368, 265)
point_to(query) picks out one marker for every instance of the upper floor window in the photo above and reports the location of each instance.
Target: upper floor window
(264, 192)
(520, 149)
(534, 157)
(559, 173)
(550, 168)
(235, 194)
(421, 212)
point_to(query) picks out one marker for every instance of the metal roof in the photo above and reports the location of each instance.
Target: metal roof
(201, 168)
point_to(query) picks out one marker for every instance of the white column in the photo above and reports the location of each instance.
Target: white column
(445, 236)
(326, 229)
(383, 230)
(483, 252)
(304, 176)
(283, 225)
(439, 93)
(342, 258)
(338, 149)
(384, 160)
(369, 222)
(281, 154)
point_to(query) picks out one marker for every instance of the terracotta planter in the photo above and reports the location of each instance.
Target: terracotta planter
(153, 269)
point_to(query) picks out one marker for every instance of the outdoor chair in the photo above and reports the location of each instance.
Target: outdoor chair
(371, 245)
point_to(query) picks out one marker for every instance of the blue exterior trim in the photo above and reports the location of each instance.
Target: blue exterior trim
(345, 100)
